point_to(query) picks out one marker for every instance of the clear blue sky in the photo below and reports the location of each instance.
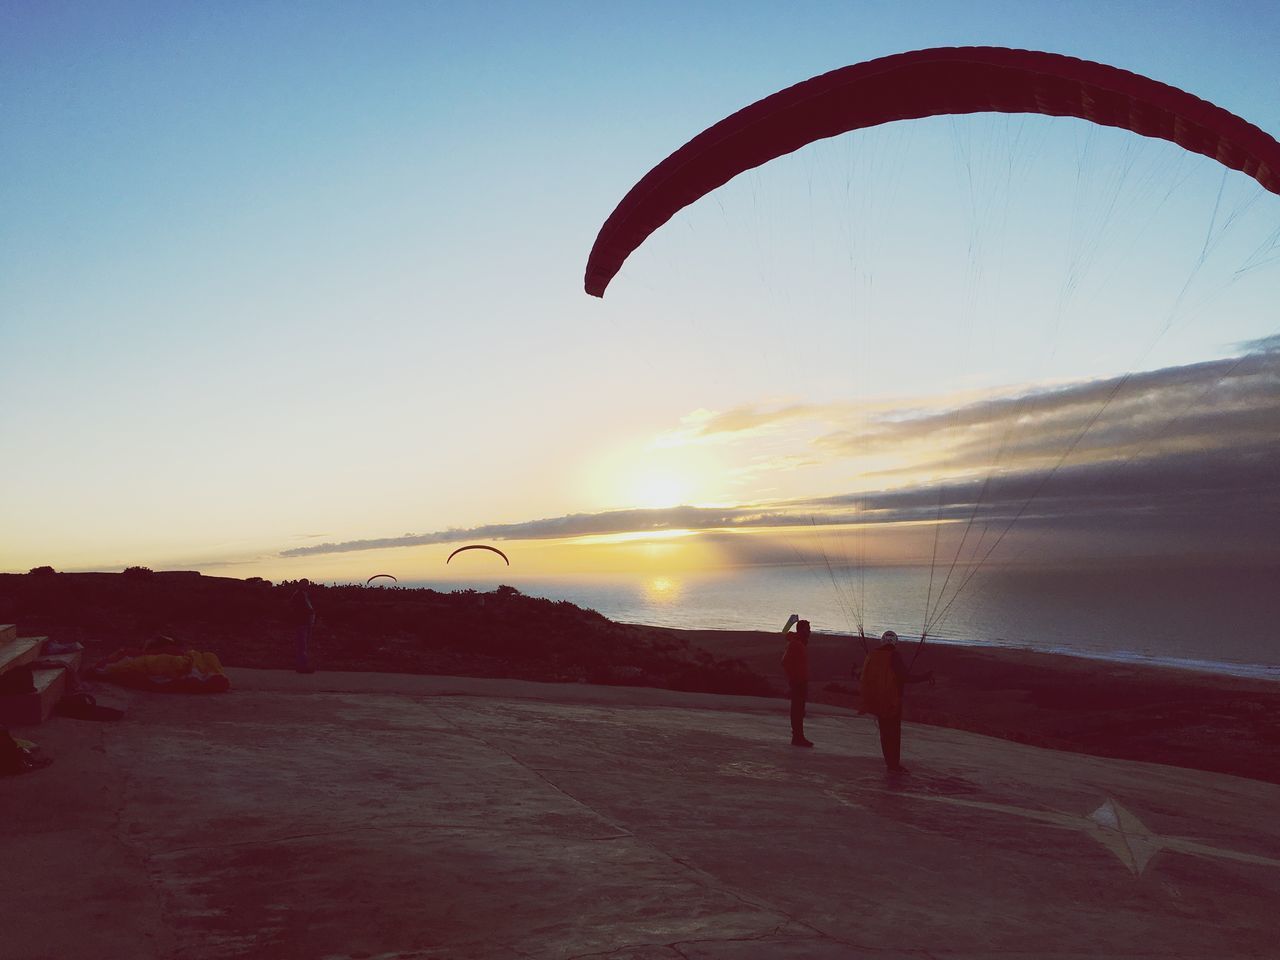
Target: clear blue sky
(272, 272)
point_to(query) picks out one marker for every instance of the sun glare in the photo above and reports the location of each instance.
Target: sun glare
(634, 536)
(656, 489)
(663, 590)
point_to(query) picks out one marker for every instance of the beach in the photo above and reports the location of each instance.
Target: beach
(1105, 708)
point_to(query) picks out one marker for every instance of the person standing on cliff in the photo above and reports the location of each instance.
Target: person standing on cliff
(795, 662)
(884, 676)
(303, 617)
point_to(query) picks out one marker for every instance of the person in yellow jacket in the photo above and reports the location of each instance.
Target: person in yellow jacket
(795, 663)
(884, 675)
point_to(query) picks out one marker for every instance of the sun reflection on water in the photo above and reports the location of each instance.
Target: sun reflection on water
(662, 590)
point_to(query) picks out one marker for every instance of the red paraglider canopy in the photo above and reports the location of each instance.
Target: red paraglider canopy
(924, 83)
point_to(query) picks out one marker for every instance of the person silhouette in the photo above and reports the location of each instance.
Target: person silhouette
(795, 663)
(303, 617)
(884, 675)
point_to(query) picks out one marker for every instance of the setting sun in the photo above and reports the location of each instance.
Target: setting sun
(659, 488)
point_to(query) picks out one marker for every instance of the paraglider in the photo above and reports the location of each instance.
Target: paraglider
(909, 86)
(479, 546)
(949, 82)
(377, 575)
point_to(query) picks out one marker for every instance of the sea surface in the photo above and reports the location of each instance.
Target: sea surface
(1212, 619)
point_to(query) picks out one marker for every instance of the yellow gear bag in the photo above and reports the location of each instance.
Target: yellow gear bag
(881, 694)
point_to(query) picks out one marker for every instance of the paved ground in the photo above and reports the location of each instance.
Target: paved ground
(373, 816)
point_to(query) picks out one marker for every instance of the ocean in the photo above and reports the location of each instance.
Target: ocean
(1221, 620)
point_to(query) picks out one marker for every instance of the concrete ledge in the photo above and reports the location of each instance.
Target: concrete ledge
(17, 652)
(72, 659)
(26, 709)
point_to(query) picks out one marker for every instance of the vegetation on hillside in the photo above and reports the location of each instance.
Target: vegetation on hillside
(464, 633)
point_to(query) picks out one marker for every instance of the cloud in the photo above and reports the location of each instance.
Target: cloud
(1269, 344)
(743, 419)
(766, 464)
(746, 421)
(559, 528)
(1167, 456)
(1212, 405)
(1231, 490)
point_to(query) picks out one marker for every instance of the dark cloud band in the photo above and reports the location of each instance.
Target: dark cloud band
(1184, 448)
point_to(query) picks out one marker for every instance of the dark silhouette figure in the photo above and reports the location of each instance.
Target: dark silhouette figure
(884, 675)
(795, 661)
(303, 617)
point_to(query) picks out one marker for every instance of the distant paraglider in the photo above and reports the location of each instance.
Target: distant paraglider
(479, 546)
(377, 575)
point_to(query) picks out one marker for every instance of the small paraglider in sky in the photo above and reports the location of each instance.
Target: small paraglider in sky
(377, 575)
(479, 546)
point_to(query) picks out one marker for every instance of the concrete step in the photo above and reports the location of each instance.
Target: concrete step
(17, 652)
(8, 631)
(28, 709)
(72, 660)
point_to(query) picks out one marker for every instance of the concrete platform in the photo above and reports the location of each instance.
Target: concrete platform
(21, 709)
(14, 653)
(348, 816)
(50, 683)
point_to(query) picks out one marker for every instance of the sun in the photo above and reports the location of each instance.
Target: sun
(655, 489)
(640, 476)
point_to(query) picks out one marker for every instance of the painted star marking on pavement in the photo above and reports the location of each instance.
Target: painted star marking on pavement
(1112, 825)
(1116, 828)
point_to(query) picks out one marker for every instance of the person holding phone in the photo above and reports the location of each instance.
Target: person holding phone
(795, 663)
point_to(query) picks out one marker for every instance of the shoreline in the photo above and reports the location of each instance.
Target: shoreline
(1263, 672)
(1155, 612)
(1176, 714)
(1135, 711)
